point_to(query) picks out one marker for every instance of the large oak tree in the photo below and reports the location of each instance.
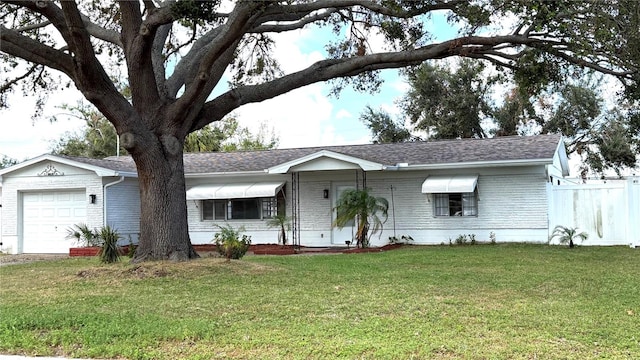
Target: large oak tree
(176, 52)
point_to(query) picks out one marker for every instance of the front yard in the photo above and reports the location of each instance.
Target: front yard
(448, 302)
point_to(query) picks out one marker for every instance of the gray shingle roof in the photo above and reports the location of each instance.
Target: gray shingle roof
(500, 149)
(122, 163)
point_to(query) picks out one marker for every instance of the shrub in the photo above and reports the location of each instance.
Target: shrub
(131, 250)
(404, 239)
(84, 236)
(109, 252)
(492, 238)
(230, 243)
(463, 239)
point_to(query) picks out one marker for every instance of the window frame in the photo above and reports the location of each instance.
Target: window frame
(222, 209)
(442, 204)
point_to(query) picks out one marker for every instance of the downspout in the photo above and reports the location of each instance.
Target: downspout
(104, 199)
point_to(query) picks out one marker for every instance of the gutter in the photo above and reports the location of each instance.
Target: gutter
(104, 198)
(224, 173)
(476, 164)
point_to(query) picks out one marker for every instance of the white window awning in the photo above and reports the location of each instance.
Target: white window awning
(234, 191)
(450, 184)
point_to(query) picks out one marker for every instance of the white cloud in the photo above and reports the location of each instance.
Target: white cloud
(22, 138)
(297, 117)
(343, 114)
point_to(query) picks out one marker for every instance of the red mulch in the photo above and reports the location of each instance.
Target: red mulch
(260, 249)
(275, 249)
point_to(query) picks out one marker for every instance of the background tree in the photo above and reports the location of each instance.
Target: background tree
(228, 135)
(446, 104)
(175, 53)
(360, 206)
(6, 161)
(384, 129)
(604, 139)
(97, 140)
(515, 116)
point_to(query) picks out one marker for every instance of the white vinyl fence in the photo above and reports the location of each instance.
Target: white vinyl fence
(609, 213)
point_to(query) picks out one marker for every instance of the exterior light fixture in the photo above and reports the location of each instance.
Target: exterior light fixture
(325, 193)
(92, 198)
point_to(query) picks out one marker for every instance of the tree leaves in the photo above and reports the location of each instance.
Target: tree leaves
(446, 104)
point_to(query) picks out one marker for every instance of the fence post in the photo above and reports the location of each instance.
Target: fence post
(632, 189)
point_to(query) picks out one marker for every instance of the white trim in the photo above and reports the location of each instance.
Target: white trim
(225, 173)
(363, 164)
(100, 171)
(472, 164)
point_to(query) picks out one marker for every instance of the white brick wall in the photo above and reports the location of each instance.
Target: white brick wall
(512, 204)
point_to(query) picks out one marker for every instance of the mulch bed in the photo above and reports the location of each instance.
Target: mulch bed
(275, 249)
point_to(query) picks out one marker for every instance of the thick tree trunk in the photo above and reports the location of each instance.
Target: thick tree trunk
(164, 231)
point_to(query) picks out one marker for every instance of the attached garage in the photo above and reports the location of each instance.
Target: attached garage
(45, 196)
(46, 217)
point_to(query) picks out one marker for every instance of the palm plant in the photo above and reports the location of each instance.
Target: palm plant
(83, 235)
(567, 235)
(109, 252)
(358, 204)
(281, 222)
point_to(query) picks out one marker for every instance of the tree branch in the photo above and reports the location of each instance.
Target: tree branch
(6, 86)
(293, 26)
(34, 26)
(474, 46)
(227, 38)
(101, 33)
(138, 40)
(26, 48)
(89, 75)
(191, 61)
(307, 8)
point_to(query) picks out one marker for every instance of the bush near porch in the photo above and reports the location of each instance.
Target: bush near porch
(502, 301)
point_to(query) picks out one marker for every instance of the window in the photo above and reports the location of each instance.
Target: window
(269, 208)
(456, 204)
(243, 209)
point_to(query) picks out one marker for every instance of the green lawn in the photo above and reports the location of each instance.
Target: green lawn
(470, 302)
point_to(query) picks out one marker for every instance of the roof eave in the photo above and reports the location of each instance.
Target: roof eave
(225, 173)
(474, 164)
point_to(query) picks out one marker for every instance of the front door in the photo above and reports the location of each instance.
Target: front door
(347, 233)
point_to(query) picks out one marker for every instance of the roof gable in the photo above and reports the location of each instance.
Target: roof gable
(99, 167)
(324, 160)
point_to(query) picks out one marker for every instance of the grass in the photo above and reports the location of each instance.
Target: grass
(487, 302)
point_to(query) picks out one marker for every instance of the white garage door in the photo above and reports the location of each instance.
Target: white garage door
(46, 218)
